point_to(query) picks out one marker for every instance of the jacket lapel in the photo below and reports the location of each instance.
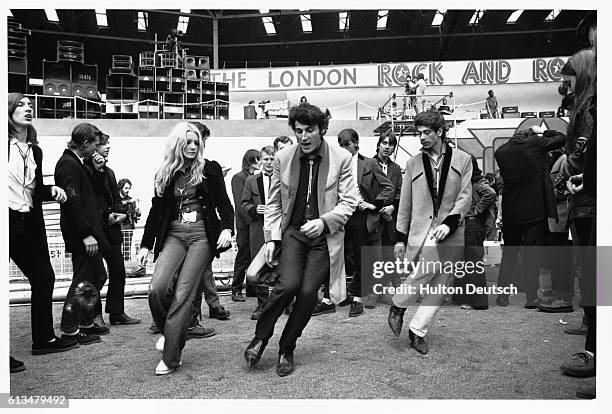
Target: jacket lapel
(429, 176)
(444, 173)
(322, 178)
(292, 179)
(360, 168)
(260, 186)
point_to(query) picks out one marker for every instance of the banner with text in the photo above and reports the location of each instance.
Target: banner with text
(473, 72)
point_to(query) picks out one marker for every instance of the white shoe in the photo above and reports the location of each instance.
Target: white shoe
(162, 368)
(160, 344)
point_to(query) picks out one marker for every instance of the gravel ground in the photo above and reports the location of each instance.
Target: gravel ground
(500, 353)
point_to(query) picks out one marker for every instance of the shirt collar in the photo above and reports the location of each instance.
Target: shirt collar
(430, 154)
(14, 140)
(77, 155)
(318, 153)
(381, 161)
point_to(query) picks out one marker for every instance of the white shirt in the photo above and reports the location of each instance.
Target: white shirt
(266, 185)
(21, 176)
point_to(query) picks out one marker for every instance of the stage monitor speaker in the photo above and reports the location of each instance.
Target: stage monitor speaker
(547, 114)
(528, 115)
(190, 62)
(510, 109)
(510, 115)
(204, 62)
(84, 80)
(17, 65)
(121, 71)
(123, 62)
(147, 58)
(56, 78)
(365, 118)
(70, 50)
(485, 116)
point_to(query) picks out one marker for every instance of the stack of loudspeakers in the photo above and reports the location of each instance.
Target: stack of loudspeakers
(67, 78)
(197, 67)
(122, 64)
(17, 57)
(122, 89)
(70, 50)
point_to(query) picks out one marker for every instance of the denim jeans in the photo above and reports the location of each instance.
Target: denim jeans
(178, 272)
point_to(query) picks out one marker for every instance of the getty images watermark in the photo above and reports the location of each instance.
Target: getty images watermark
(414, 270)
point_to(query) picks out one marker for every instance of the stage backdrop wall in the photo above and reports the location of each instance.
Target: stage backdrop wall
(530, 84)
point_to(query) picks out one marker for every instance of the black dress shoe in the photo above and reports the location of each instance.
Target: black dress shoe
(356, 309)
(285, 364)
(218, 313)
(502, 300)
(254, 351)
(396, 319)
(95, 329)
(16, 365)
(418, 342)
(123, 319)
(347, 301)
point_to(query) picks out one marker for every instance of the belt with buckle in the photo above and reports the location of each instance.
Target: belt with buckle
(190, 216)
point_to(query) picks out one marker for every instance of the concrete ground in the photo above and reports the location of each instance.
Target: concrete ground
(500, 353)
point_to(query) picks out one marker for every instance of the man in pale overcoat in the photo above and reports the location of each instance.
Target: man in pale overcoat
(435, 197)
(311, 197)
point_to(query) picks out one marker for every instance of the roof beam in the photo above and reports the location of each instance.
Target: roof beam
(399, 37)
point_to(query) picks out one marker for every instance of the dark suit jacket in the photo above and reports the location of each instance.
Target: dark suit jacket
(109, 201)
(252, 196)
(163, 210)
(80, 216)
(394, 174)
(528, 191)
(375, 188)
(238, 180)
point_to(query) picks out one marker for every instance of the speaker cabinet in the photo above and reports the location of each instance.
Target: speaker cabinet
(547, 114)
(70, 50)
(510, 109)
(528, 115)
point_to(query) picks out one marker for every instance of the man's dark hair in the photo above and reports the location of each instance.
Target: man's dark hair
(249, 158)
(348, 134)
(123, 182)
(308, 114)
(431, 119)
(83, 133)
(283, 139)
(490, 92)
(392, 139)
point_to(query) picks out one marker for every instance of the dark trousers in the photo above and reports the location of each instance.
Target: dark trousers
(243, 258)
(475, 235)
(116, 279)
(30, 254)
(559, 257)
(530, 236)
(208, 287)
(584, 236)
(388, 243)
(304, 265)
(85, 269)
(356, 231)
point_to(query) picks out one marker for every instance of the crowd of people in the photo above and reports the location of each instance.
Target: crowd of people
(305, 216)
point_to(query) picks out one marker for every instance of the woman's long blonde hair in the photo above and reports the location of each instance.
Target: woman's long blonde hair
(174, 158)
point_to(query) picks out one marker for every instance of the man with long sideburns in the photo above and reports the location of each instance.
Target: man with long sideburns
(435, 197)
(311, 197)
